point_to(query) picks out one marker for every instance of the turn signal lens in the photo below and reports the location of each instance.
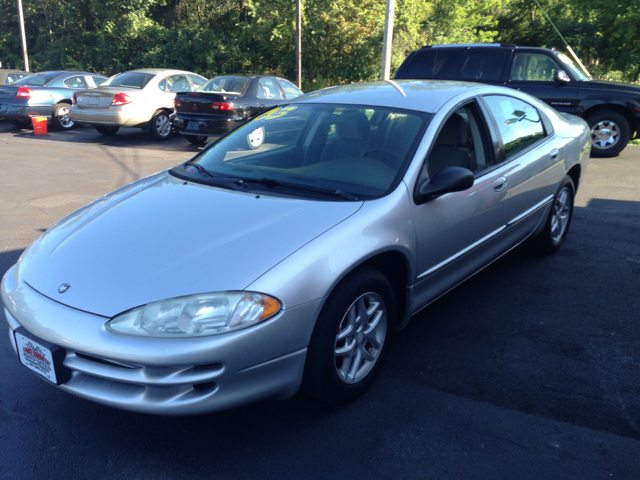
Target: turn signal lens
(222, 106)
(121, 99)
(24, 93)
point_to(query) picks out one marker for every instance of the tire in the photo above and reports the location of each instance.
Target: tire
(160, 127)
(60, 119)
(196, 139)
(107, 130)
(610, 133)
(340, 339)
(22, 123)
(551, 238)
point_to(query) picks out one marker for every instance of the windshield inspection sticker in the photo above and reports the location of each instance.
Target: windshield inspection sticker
(277, 113)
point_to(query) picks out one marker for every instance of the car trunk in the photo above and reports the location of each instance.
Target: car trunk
(206, 103)
(98, 98)
(8, 91)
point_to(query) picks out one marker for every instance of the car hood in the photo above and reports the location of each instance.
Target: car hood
(599, 85)
(162, 237)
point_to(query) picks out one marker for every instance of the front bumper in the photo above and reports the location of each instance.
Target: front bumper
(17, 111)
(166, 376)
(124, 116)
(209, 125)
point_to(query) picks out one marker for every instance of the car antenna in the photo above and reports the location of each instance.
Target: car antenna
(573, 54)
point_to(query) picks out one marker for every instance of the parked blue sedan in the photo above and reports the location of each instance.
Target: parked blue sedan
(46, 94)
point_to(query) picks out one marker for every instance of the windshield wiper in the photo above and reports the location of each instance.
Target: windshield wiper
(271, 183)
(218, 181)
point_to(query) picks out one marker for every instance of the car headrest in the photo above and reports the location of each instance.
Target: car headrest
(454, 132)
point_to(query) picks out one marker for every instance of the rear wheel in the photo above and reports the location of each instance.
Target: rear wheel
(557, 225)
(60, 119)
(610, 133)
(350, 339)
(107, 130)
(196, 139)
(161, 126)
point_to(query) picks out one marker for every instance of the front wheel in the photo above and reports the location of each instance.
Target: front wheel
(350, 339)
(610, 133)
(161, 126)
(196, 139)
(556, 227)
(60, 119)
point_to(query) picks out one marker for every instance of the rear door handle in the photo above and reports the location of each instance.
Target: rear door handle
(500, 184)
(554, 154)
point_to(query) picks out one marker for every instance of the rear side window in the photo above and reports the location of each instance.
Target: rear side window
(197, 81)
(483, 66)
(518, 122)
(290, 90)
(76, 82)
(434, 63)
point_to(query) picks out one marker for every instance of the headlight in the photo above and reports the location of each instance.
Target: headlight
(196, 315)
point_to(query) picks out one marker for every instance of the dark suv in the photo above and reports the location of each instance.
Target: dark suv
(611, 109)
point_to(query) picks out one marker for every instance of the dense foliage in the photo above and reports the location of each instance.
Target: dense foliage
(341, 38)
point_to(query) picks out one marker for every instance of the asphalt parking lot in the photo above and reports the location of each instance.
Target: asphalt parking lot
(530, 369)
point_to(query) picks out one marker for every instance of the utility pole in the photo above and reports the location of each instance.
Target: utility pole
(25, 56)
(299, 43)
(388, 39)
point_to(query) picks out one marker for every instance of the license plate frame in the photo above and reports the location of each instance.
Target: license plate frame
(193, 126)
(41, 357)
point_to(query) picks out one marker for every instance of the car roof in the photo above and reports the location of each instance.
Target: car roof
(421, 95)
(157, 71)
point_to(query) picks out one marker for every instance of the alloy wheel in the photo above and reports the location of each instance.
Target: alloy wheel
(604, 134)
(360, 337)
(560, 215)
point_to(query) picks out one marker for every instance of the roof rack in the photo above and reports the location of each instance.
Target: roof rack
(472, 45)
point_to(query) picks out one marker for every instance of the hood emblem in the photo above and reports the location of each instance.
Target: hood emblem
(63, 288)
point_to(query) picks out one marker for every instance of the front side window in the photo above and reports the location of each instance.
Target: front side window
(197, 80)
(289, 89)
(483, 66)
(308, 149)
(267, 88)
(230, 84)
(518, 122)
(129, 79)
(533, 67)
(461, 143)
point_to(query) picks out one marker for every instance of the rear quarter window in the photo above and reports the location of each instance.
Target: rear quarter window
(434, 63)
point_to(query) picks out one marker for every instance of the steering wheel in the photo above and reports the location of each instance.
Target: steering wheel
(388, 157)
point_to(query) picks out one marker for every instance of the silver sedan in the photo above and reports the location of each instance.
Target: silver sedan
(286, 254)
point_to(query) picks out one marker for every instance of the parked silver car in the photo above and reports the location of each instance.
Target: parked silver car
(139, 98)
(259, 267)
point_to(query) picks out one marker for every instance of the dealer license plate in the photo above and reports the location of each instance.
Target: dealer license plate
(193, 126)
(42, 357)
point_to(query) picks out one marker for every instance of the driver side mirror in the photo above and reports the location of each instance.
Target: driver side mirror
(450, 179)
(561, 76)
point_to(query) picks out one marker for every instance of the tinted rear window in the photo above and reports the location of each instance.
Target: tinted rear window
(483, 66)
(129, 79)
(38, 78)
(434, 63)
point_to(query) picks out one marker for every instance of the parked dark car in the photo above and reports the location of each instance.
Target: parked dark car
(46, 94)
(611, 109)
(226, 102)
(9, 75)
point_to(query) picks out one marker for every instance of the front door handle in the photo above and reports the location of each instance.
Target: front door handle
(554, 154)
(500, 184)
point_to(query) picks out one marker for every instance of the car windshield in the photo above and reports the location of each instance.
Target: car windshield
(572, 67)
(38, 78)
(236, 85)
(358, 152)
(129, 80)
